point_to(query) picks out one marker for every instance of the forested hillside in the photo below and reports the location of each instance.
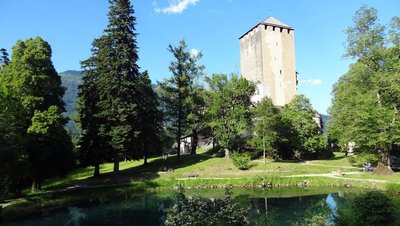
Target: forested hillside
(70, 80)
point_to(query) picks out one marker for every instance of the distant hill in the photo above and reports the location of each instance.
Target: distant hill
(70, 80)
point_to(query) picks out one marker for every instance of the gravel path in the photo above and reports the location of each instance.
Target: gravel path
(335, 175)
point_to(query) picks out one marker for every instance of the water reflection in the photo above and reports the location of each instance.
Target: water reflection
(75, 215)
(150, 209)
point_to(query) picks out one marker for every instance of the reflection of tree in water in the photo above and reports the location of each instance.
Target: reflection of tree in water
(289, 211)
(202, 211)
(75, 216)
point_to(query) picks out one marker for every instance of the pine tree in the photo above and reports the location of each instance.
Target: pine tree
(114, 63)
(150, 118)
(92, 147)
(178, 91)
(4, 60)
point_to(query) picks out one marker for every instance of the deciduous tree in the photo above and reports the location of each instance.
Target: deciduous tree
(266, 118)
(33, 83)
(228, 109)
(365, 100)
(305, 137)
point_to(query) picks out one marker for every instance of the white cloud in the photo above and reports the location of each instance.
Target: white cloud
(194, 52)
(175, 6)
(313, 82)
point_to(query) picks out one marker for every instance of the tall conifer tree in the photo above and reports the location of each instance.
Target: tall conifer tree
(114, 68)
(178, 91)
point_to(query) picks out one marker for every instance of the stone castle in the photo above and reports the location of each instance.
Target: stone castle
(267, 58)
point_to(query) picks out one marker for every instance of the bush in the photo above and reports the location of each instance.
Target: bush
(362, 158)
(370, 208)
(241, 160)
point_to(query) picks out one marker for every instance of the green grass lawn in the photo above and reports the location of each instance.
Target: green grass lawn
(211, 171)
(208, 170)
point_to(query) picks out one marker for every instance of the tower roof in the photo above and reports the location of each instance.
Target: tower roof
(270, 21)
(274, 22)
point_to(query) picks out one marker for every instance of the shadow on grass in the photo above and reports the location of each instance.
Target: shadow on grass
(142, 173)
(337, 157)
(286, 161)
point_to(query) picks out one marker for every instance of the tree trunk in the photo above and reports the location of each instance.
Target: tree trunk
(226, 153)
(213, 143)
(144, 146)
(195, 139)
(178, 153)
(96, 170)
(144, 154)
(264, 156)
(116, 164)
(385, 157)
(35, 185)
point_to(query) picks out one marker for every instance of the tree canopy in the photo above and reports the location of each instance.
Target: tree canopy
(365, 100)
(228, 109)
(180, 92)
(31, 84)
(113, 74)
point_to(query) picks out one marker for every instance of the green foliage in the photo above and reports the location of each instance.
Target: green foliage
(33, 98)
(365, 108)
(112, 74)
(180, 93)
(300, 134)
(366, 37)
(12, 141)
(371, 208)
(200, 211)
(150, 118)
(360, 159)
(228, 108)
(317, 220)
(4, 60)
(71, 80)
(241, 160)
(266, 127)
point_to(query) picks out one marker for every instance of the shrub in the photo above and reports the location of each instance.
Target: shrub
(362, 158)
(241, 160)
(370, 208)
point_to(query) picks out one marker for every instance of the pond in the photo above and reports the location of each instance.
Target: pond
(265, 207)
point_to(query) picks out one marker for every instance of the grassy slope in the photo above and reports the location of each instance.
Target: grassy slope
(212, 171)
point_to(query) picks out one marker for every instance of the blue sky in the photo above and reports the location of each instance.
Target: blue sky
(210, 26)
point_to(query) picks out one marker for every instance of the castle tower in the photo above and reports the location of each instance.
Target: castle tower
(267, 58)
